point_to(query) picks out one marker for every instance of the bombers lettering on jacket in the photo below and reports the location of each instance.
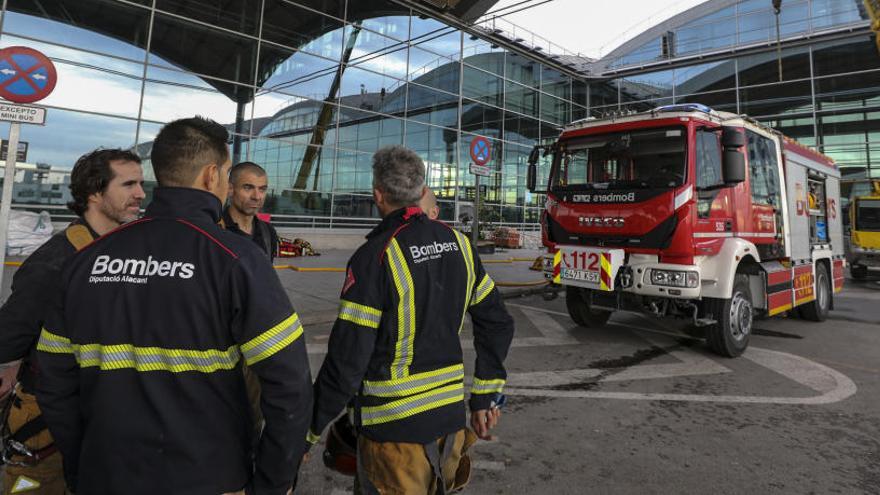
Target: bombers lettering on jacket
(141, 382)
(395, 346)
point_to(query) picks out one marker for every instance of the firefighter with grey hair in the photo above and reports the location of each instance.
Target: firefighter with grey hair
(394, 354)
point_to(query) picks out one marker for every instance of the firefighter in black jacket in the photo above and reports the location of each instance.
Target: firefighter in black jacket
(395, 346)
(107, 190)
(142, 384)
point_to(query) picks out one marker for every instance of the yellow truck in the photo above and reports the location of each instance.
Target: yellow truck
(863, 251)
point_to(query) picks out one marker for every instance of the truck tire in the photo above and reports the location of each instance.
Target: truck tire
(818, 309)
(729, 336)
(858, 272)
(577, 300)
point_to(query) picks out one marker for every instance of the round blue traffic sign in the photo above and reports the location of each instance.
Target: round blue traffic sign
(481, 150)
(26, 75)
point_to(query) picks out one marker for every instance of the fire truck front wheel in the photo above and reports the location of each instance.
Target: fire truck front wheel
(577, 300)
(729, 336)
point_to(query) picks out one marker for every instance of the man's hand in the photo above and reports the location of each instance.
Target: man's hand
(484, 420)
(7, 379)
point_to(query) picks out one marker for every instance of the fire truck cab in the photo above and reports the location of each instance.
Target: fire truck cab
(688, 212)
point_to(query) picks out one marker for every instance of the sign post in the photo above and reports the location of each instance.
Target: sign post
(26, 76)
(481, 153)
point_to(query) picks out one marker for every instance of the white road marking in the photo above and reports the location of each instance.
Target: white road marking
(549, 328)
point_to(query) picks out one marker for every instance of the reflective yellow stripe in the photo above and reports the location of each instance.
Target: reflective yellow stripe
(487, 386)
(406, 311)
(410, 406)
(273, 340)
(471, 276)
(128, 356)
(415, 383)
(359, 314)
(123, 356)
(483, 290)
(312, 438)
(55, 344)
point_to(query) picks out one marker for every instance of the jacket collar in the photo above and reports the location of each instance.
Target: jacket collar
(397, 218)
(184, 202)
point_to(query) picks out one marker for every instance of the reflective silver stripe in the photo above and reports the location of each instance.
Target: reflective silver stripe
(55, 344)
(484, 289)
(414, 383)
(119, 356)
(273, 340)
(359, 314)
(487, 386)
(411, 406)
(405, 311)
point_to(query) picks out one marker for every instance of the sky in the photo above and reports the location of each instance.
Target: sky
(593, 27)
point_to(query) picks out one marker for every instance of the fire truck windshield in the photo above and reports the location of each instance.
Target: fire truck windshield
(649, 158)
(868, 215)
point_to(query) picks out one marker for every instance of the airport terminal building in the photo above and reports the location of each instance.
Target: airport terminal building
(311, 88)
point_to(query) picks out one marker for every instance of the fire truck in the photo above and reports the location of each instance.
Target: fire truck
(688, 212)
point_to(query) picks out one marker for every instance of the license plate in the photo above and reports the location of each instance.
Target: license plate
(579, 275)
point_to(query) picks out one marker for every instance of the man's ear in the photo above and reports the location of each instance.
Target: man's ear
(209, 176)
(424, 192)
(377, 196)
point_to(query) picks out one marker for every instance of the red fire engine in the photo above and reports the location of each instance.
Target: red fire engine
(688, 212)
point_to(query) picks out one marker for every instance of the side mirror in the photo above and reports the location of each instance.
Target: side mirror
(532, 170)
(731, 137)
(733, 164)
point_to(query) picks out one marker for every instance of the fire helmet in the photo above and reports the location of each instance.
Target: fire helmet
(340, 449)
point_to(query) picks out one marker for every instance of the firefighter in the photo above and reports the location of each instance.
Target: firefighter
(142, 385)
(107, 190)
(248, 184)
(394, 350)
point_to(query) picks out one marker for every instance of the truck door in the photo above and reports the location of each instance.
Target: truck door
(766, 193)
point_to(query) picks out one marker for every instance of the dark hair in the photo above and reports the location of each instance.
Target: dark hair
(240, 168)
(184, 146)
(91, 174)
(399, 173)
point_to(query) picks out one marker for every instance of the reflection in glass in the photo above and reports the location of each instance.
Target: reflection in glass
(101, 26)
(776, 99)
(433, 107)
(647, 86)
(430, 69)
(308, 30)
(521, 99)
(202, 50)
(236, 15)
(705, 77)
(480, 119)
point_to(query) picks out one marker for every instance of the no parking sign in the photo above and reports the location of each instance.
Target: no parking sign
(26, 76)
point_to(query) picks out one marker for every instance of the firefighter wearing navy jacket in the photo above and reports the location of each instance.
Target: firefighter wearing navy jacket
(394, 352)
(107, 190)
(141, 383)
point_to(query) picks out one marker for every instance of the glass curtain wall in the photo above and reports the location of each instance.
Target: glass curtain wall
(827, 95)
(309, 89)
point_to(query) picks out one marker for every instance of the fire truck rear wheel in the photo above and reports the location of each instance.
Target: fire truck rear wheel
(577, 301)
(818, 309)
(729, 336)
